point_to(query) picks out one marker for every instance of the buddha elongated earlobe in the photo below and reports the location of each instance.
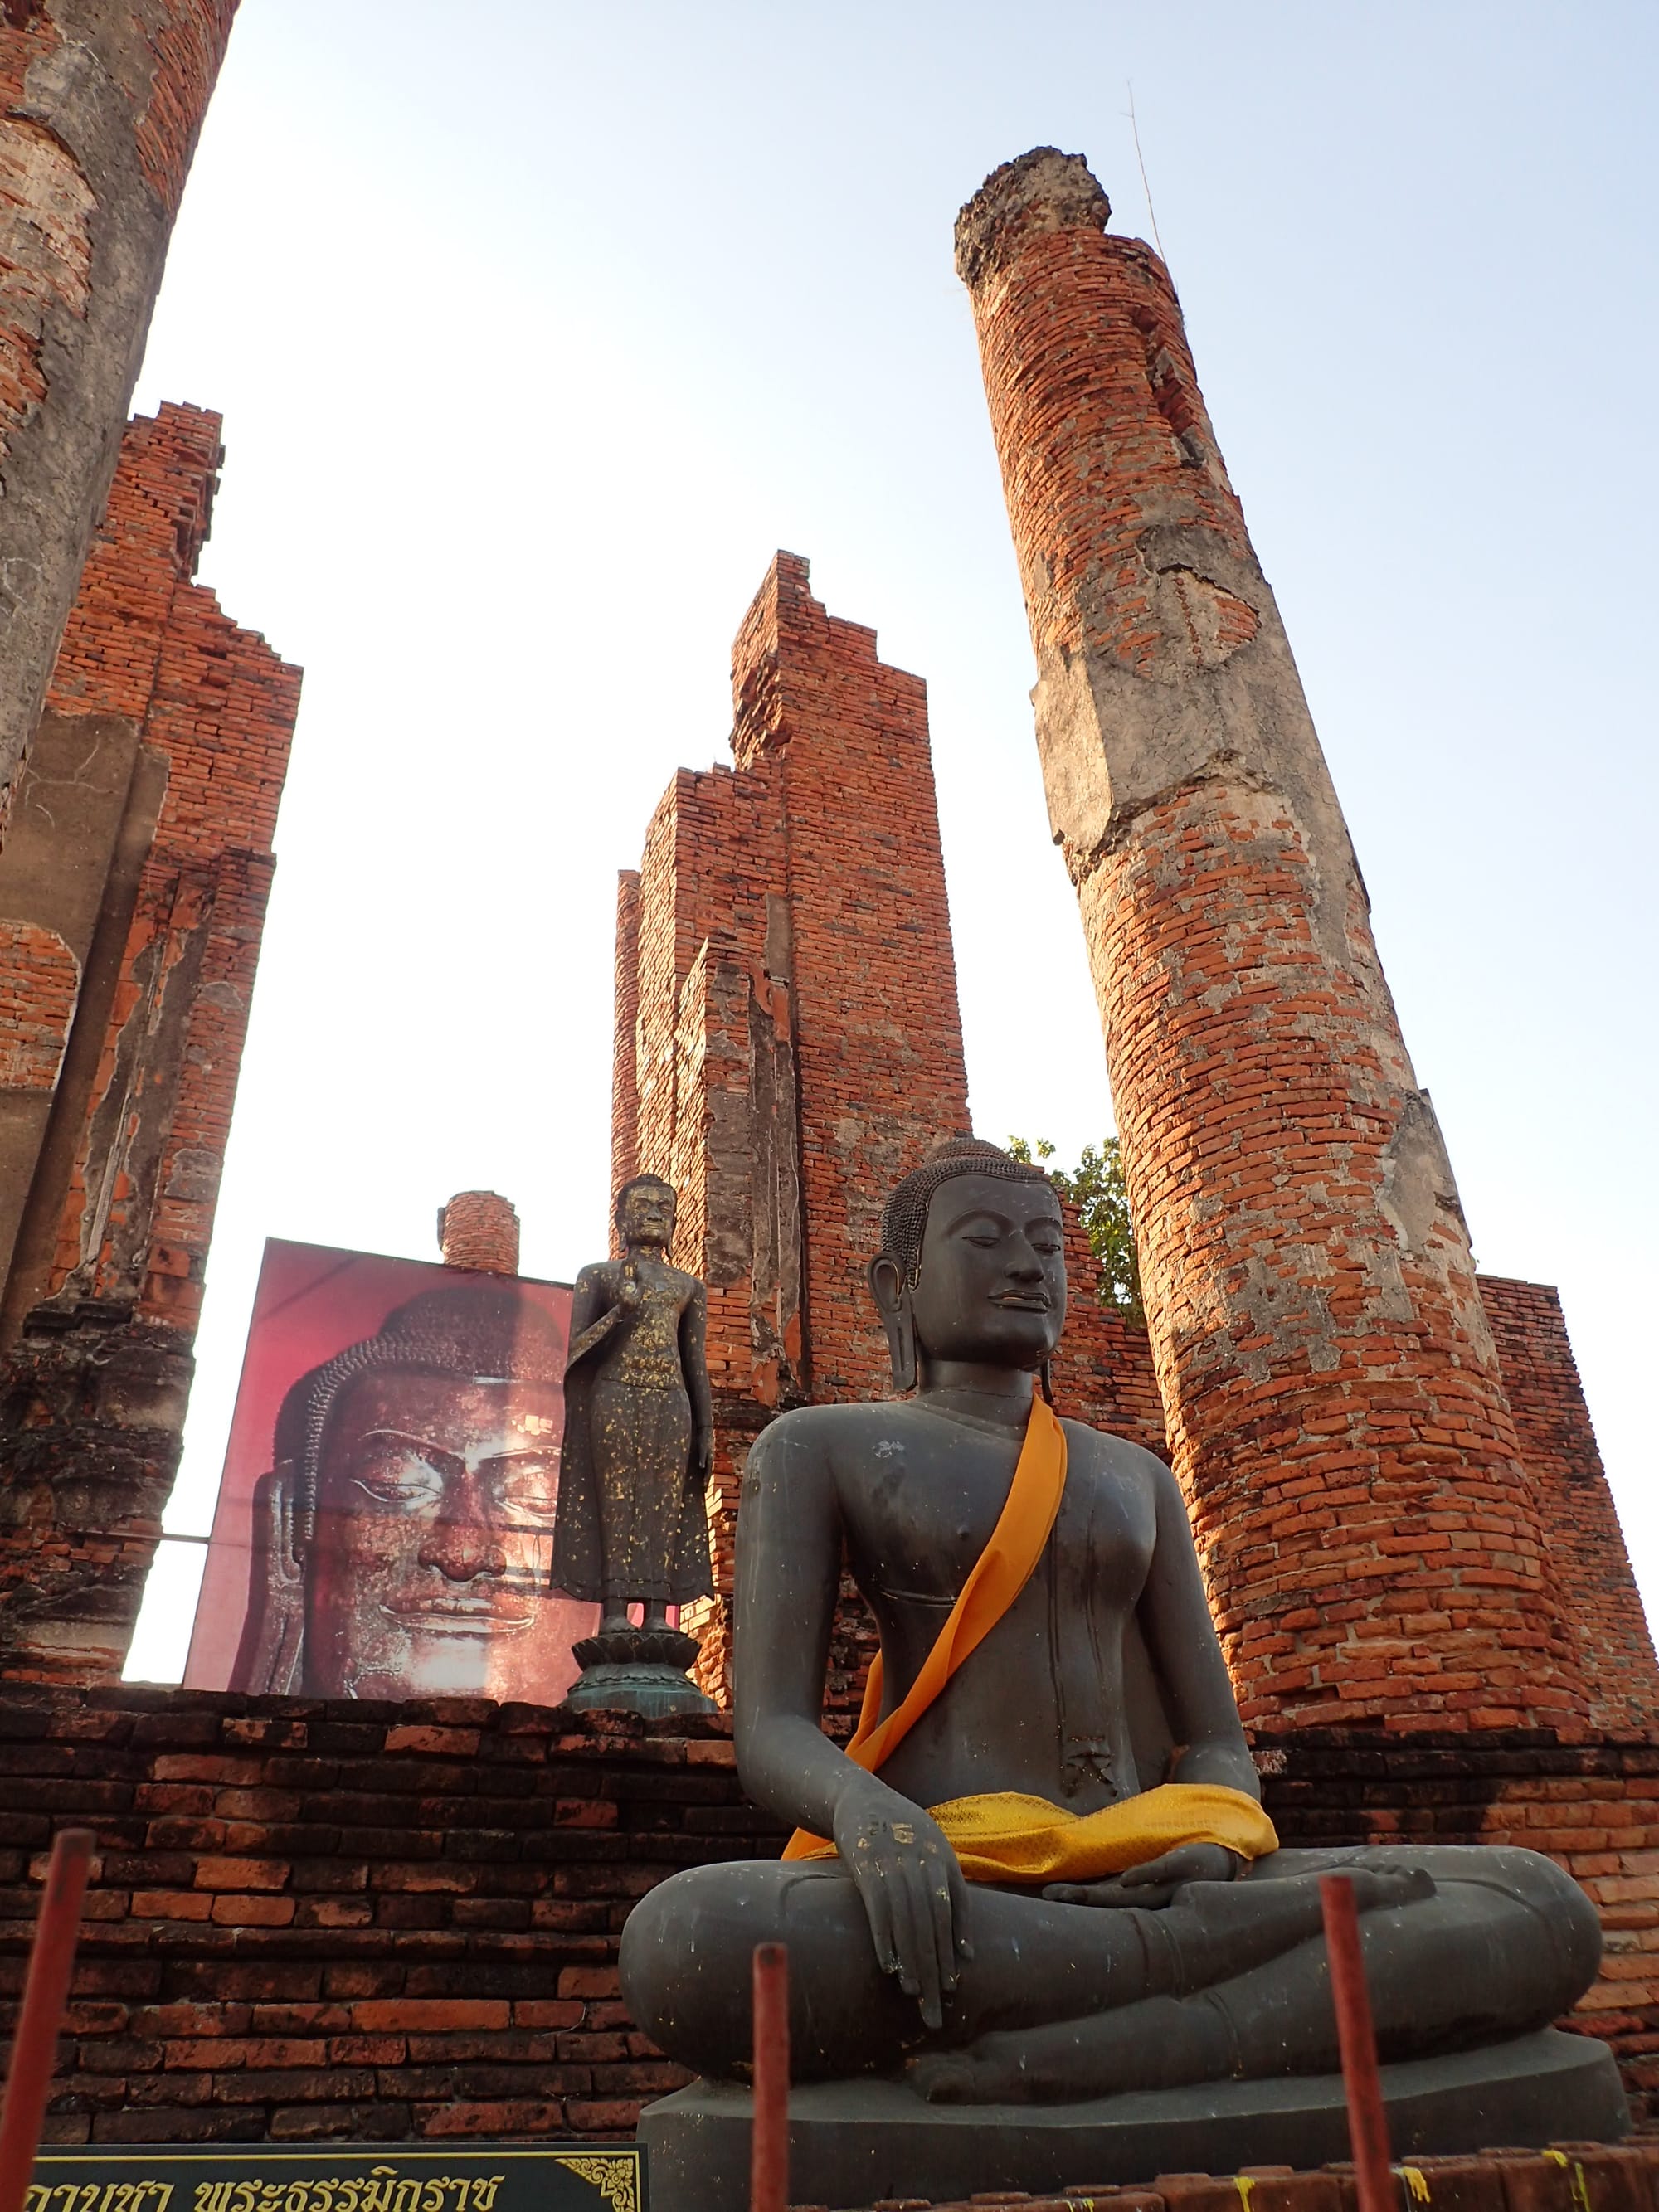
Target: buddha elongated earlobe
(901, 1345)
(892, 1297)
(1046, 1382)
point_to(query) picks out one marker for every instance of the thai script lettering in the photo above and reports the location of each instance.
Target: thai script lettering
(383, 2189)
(91, 2196)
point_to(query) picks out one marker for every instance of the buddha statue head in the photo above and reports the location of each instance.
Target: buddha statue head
(402, 1537)
(646, 1208)
(972, 1264)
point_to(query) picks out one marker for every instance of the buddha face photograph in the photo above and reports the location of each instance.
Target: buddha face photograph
(385, 1525)
(426, 1570)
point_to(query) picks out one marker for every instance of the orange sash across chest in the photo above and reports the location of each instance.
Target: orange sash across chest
(996, 1579)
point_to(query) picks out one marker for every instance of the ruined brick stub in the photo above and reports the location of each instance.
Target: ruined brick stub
(132, 895)
(100, 108)
(1373, 1545)
(479, 1229)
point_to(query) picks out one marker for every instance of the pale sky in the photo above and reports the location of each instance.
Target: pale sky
(538, 328)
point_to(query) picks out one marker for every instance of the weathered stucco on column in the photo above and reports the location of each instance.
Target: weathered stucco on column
(100, 108)
(132, 898)
(1372, 1543)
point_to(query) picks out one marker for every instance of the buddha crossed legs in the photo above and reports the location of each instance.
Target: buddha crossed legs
(1116, 1934)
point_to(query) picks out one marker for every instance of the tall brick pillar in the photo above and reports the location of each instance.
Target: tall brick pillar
(1372, 1544)
(132, 897)
(100, 108)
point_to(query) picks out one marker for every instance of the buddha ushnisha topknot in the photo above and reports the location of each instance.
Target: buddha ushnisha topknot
(481, 1333)
(904, 1217)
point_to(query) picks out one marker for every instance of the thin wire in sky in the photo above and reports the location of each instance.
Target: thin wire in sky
(1146, 187)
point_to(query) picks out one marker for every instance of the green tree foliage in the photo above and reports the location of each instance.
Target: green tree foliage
(1098, 1191)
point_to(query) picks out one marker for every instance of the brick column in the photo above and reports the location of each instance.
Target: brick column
(132, 897)
(1335, 1404)
(787, 1042)
(479, 1229)
(100, 108)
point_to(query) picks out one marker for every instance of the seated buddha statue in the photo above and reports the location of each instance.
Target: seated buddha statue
(1040, 1870)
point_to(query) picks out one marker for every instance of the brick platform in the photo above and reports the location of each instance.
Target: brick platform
(368, 1923)
(373, 1922)
(1592, 1805)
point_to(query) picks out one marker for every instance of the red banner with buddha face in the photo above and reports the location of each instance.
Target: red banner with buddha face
(385, 1523)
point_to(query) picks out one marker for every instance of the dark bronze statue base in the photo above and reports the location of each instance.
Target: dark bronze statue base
(857, 2142)
(637, 1670)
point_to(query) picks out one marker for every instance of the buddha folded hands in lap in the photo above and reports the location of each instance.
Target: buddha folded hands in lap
(983, 1890)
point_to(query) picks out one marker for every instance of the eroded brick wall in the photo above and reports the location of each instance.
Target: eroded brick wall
(1592, 1805)
(361, 1921)
(1373, 1544)
(99, 109)
(370, 1922)
(1102, 1372)
(788, 1043)
(879, 1034)
(147, 815)
(1558, 1444)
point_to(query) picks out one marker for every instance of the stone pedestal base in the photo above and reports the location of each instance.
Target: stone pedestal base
(856, 2143)
(637, 1670)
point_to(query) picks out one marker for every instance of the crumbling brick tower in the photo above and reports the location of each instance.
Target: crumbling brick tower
(1373, 1548)
(133, 885)
(100, 108)
(788, 1043)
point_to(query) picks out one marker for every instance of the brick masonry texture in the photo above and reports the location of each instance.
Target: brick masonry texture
(367, 1921)
(1114, 1385)
(1553, 1424)
(787, 1042)
(39, 983)
(99, 109)
(787, 1045)
(479, 1229)
(1374, 1546)
(191, 717)
(1591, 1804)
(370, 1922)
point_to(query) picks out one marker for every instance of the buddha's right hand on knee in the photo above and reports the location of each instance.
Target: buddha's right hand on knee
(912, 1889)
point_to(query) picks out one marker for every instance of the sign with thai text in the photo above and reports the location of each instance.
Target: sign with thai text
(553, 2176)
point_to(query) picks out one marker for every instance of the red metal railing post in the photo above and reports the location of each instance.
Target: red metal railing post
(41, 2017)
(1368, 2124)
(769, 2154)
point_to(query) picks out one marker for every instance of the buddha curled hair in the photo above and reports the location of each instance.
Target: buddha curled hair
(477, 1332)
(904, 1217)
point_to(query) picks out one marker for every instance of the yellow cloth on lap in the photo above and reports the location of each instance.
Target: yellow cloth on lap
(1006, 1836)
